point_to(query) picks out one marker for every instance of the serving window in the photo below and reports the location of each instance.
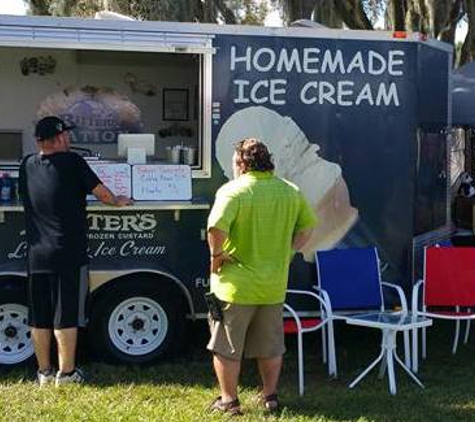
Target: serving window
(106, 93)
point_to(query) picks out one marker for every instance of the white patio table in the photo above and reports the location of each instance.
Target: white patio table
(390, 323)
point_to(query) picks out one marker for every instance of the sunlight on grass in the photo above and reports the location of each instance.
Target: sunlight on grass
(181, 390)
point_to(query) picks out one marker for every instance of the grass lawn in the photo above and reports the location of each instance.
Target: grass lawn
(181, 389)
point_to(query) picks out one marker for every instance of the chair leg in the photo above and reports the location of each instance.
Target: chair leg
(332, 365)
(456, 337)
(467, 332)
(324, 344)
(407, 349)
(415, 352)
(424, 345)
(300, 362)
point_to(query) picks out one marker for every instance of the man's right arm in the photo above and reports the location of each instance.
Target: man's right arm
(104, 194)
(220, 219)
(218, 257)
(94, 185)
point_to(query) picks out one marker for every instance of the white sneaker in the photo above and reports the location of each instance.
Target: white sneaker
(45, 378)
(77, 377)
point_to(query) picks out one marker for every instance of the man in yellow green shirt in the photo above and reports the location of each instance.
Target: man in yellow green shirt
(256, 224)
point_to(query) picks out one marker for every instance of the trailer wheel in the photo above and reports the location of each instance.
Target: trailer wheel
(16, 346)
(136, 324)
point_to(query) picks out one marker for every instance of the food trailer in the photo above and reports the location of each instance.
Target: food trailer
(359, 120)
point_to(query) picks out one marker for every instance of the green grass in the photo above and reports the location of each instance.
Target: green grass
(180, 390)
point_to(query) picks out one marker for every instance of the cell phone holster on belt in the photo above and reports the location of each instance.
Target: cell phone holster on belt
(215, 306)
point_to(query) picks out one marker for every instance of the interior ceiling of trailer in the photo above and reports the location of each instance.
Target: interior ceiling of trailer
(124, 58)
(463, 95)
(109, 58)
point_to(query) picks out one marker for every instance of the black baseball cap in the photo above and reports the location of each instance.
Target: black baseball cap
(49, 127)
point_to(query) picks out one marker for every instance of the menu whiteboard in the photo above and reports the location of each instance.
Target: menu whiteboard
(117, 177)
(161, 182)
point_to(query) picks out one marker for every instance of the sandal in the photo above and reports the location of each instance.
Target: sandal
(232, 407)
(271, 402)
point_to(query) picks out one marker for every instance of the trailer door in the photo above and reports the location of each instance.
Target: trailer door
(431, 182)
(431, 203)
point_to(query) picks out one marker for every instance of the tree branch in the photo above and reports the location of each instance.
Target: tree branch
(228, 15)
(353, 14)
(398, 9)
(447, 32)
(467, 52)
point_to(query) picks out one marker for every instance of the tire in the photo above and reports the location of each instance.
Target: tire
(136, 322)
(16, 346)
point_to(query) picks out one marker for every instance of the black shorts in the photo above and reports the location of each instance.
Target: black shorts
(58, 300)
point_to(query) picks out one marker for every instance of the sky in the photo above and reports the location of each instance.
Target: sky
(12, 7)
(18, 7)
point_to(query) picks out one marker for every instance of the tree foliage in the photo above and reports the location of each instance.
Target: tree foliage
(39, 7)
(436, 18)
(211, 11)
(249, 12)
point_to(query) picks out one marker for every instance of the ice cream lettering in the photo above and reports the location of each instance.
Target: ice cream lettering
(262, 76)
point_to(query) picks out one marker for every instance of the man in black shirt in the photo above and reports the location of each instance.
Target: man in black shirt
(53, 186)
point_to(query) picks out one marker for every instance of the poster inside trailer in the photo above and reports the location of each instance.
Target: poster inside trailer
(337, 117)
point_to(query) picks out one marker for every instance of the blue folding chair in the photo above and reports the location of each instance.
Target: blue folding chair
(352, 280)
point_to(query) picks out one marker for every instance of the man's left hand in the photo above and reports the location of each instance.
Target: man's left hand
(217, 262)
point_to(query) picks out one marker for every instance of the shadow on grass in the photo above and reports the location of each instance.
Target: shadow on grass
(449, 394)
(449, 380)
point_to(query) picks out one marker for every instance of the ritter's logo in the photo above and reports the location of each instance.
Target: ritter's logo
(122, 223)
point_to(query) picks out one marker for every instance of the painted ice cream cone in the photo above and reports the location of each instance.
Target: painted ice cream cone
(296, 160)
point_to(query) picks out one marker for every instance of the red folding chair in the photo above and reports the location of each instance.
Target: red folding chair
(448, 291)
(299, 326)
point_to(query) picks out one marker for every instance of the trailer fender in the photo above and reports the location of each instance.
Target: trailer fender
(13, 281)
(100, 280)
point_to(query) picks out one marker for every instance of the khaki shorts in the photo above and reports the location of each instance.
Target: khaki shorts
(257, 331)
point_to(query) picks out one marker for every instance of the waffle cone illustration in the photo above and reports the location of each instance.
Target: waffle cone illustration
(297, 160)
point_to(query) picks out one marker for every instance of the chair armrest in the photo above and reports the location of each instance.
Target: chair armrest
(415, 296)
(324, 300)
(294, 316)
(435, 315)
(324, 294)
(402, 296)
